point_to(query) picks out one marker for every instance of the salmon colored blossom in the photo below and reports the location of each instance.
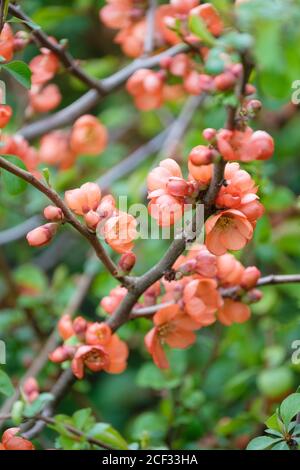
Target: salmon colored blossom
(55, 150)
(245, 145)
(202, 299)
(43, 100)
(210, 16)
(5, 115)
(111, 302)
(120, 232)
(89, 136)
(10, 441)
(31, 389)
(233, 312)
(7, 42)
(84, 199)
(228, 230)
(172, 327)
(146, 86)
(65, 327)
(229, 270)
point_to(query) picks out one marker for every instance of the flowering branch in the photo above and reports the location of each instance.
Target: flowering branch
(91, 237)
(91, 98)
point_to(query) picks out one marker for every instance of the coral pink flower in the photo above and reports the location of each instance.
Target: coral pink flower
(43, 67)
(228, 230)
(118, 354)
(120, 231)
(84, 199)
(18, 146)
(6, 42)
(132, 39)
(159, 176)
(184, 6)
(94, 358)
(5, 115)
(245, 145)
(230, 270)
(62, 354)
(250, 277)
(165, 209)
(201, 173)
(111, 302)
(42, 235)
(98, 333)
(146, 87)
(55, 150)
(31, 389)
(201, 155)
(206, 262)
(210, 17)
(88, 136)
(202, 300)
(10, 441)
(65, 327)
(239, 190)
(233, 312)
(43, 100)
(163, 14)
(251, 207)
(172, 327)
(116, 14)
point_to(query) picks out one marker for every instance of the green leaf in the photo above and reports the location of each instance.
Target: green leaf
(108, 435)
(290, 407)
(38, 405)
(83, 419)
(281, 446)
(20, 71)
(13, 184)
(6, 387)
(262, 443)
(274, 423)
(197, 27)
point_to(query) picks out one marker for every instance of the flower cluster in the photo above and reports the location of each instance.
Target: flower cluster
(237, 204)
(43, 97)
(11, 441)
(90, 345)
(198, 299)
(88, 136)
(171, 22)
(99, 213)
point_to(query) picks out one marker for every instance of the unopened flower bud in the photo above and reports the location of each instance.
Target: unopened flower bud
(42, 235)
(201, 155)
(209, 133)
(250, 89)
(255, 295)
(250, 277)
(80, 326)
(127, 262)
(254, 106)
(92, 219)
(188, 267)
(62, 354)
(53, 213)
(225, 81)
(177, 187)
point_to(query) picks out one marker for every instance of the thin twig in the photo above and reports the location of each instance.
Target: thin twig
(150, 29)
(92, 97)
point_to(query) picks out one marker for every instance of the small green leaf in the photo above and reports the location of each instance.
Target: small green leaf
(46, 175)
(290, 407)
(281, 446)
(13, 184)
(38, 405)
(20, 71)
(6, 387)
(17, 412)
(274, 423)
(197, 26)
(108, 435)
(262, 443)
